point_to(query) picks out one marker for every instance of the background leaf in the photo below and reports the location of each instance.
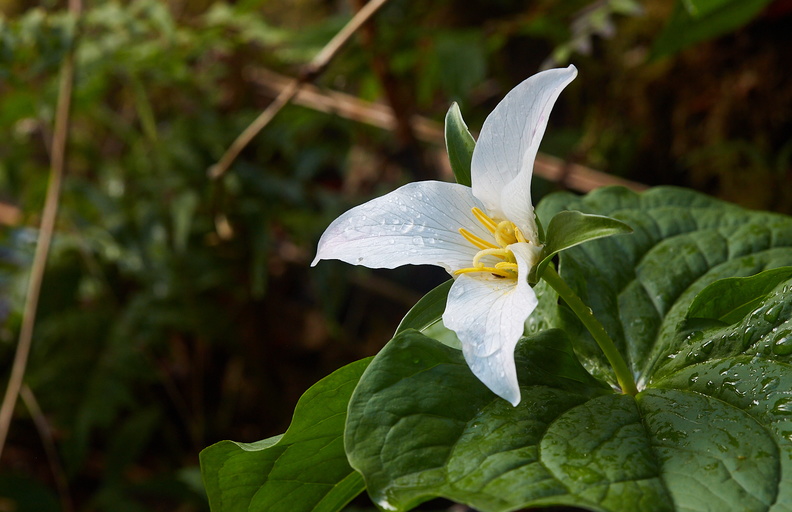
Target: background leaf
(698, 21)
(459, 144)
(303, 469)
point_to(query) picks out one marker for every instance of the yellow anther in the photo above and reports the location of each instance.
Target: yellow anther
(475, 240)
(485, 219)
(504, 234)
(518, 234)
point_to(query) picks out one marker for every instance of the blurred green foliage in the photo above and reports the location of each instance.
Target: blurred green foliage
(177, 311)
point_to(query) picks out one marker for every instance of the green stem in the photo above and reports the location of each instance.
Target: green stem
(583, 312)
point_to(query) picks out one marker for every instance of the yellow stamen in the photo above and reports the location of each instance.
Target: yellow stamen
(492, 270)
(485, 219)
(506, 265)
(505, 233)
(477, 241)
(497, 252)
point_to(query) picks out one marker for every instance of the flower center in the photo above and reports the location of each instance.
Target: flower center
(504, 233)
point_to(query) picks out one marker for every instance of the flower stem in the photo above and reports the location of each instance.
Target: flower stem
(584, 313)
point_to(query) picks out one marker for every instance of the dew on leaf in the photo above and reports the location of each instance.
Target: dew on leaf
(783, 406)
(783, 343)
(770, 384)
(772, 314)
(748, 334)
(731, 385)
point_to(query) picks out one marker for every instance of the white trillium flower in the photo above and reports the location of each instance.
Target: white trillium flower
(485, 236)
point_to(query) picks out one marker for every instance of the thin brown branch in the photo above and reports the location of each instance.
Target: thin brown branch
(49, 214)
(310, 73)
(572, 176)
(48, 441)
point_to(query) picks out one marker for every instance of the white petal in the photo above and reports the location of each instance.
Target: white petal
(416, 224)
(504, 156)
(488, 315)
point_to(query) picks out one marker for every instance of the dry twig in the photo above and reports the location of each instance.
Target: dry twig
(49, 214)
(571, 176)
(309, 74)
(47, 439)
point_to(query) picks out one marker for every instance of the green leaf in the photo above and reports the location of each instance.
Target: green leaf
(701, 7)
(709, 429)
(568, 229)
(427, 317)
(303, 469)
(459, 144)
(421, 425)
(730, 299)
(700, 20)
(641, 286)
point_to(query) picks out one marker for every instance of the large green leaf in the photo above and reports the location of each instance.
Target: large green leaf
(421, 425)
(709, 429)
(641, 286)
(304, 469)
(730, 299)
